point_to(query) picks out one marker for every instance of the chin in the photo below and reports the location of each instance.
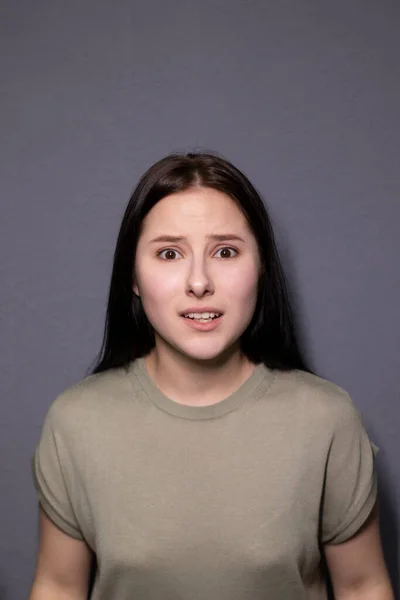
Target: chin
(198, 355)
(208, 354)
(199, 350)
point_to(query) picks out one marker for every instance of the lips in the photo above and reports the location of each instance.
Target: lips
(201, 309)
(204, 326)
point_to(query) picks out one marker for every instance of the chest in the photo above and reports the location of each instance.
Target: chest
(237, 497)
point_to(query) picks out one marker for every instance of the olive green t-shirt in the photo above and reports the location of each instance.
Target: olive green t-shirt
(230, 501)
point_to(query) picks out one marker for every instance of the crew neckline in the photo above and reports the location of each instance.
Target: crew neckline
(211, 411)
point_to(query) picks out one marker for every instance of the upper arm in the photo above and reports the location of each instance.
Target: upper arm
(63, 561)
(359, 561)
(350, 486)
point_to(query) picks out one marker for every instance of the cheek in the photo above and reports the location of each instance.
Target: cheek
(242, 284)
(157, 287)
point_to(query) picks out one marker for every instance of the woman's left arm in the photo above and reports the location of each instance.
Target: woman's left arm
(357, 566)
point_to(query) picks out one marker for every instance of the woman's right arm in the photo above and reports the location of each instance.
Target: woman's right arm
(63, 564)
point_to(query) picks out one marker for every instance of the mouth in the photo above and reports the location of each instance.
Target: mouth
(202, 317)
(202, 321)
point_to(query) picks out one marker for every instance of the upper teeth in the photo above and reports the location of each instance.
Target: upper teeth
(204, 315)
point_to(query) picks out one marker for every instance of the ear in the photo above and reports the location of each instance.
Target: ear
(135, 288)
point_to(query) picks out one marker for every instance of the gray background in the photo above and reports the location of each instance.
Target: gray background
(302, 96)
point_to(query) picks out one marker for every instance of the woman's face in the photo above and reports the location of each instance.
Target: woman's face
(197, 254)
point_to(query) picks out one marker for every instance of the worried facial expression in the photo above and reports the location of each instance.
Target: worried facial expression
(196, 255)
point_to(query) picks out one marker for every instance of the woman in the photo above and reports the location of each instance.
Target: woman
(201, 459)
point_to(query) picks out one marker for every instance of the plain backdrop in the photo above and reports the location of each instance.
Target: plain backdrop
(302, 96)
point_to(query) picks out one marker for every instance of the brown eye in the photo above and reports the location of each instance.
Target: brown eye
(168, 254)
(227, 252)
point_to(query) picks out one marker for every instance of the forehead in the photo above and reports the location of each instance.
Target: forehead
(205, 207)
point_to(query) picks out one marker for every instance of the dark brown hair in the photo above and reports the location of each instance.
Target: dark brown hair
(128, 335)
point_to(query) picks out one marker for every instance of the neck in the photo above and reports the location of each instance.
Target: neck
(198, 382)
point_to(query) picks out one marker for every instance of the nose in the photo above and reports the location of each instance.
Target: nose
(199, 282)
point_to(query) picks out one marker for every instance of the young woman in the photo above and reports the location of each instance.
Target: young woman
(201, 459)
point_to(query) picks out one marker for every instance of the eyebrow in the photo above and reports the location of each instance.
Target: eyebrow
(219, 237)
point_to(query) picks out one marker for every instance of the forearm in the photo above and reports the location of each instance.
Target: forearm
(51, 591)
(382, 591)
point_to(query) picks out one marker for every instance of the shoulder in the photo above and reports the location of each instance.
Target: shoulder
(314, 398)
(317, 409)
(94, 395)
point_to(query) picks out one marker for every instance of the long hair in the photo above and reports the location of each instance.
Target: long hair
(128, 335)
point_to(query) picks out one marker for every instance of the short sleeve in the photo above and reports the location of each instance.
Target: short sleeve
(350, 488)
(49, 477)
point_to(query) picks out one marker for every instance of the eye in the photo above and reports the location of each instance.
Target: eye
(227, 252)
(170, 254)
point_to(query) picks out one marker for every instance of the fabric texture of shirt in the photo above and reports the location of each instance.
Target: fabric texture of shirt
(230, 501)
